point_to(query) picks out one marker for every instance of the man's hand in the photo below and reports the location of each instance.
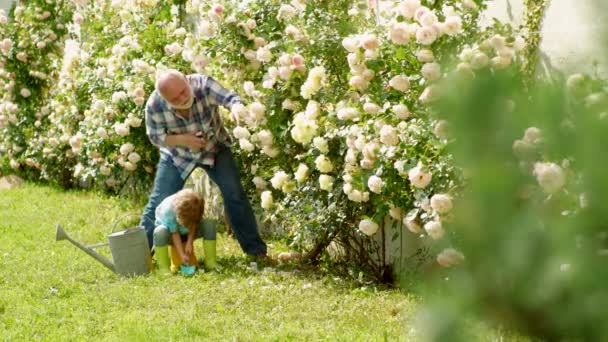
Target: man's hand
(189, 140)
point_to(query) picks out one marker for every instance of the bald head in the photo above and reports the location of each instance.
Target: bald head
(173, 86)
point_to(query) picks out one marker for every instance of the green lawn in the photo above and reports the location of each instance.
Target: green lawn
(53, 291)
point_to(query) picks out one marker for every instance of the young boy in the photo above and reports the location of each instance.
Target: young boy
(179, 222)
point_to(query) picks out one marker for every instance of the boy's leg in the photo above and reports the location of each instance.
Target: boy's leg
(208, 231)
(161, 247)
(167, 182)
(226, 175)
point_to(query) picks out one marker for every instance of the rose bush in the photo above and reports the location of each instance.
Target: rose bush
(338, 131)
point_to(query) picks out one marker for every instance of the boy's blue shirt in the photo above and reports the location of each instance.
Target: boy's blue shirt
(165, 215)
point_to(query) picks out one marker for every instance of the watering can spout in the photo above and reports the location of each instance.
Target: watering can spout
(62, 235)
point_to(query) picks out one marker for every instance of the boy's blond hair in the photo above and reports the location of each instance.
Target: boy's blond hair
(189, 207)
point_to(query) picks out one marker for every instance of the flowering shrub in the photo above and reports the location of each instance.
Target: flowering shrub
(337, 132)
(30, 47)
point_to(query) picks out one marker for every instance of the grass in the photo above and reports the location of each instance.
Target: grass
(53, 291)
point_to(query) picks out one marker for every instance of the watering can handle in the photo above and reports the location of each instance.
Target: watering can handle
(120, 219)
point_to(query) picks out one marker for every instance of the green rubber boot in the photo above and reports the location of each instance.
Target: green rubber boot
(161, 254)
(210, 254)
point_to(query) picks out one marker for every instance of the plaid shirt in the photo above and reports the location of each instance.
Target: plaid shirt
(163, 120)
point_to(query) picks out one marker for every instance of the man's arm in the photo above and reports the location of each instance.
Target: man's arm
(220, 95)
(156, 131)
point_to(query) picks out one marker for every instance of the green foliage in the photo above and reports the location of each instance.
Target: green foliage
(534, 240)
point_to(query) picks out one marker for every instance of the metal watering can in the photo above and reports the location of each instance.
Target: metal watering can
(129, 248)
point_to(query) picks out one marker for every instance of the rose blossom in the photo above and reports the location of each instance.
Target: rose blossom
(450, 257)
(441, 203)
(434, 229)
(418, 177)
(375, 184)
(368, 227)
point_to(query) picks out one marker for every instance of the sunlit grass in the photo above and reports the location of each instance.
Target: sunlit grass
(53, 291)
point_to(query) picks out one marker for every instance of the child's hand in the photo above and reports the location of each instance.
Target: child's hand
(185, 258)
(188, 249)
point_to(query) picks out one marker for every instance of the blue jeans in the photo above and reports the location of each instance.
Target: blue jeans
(225, 174)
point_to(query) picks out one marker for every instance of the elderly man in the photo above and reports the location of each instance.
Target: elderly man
(182, 119)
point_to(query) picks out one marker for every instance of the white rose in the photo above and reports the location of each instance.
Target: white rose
(323, 164)
(396, 213)
(368, 227)
(452, 25)
(401, 111)
(450, 257)
(523, 149)
(129, 166)
(134, 157)
(102, 133)
(279, 179)
(388, 135)
(126, 148)
(355, 196)
(257, 110)
(263, 55)
(428, 19)
(400, 82)
(301, 173)
(104, 170)
(532, 135)
(479, 60)
(289, 104)
(550, 176)
(375, 184)
(434, 229)
(418, 177)
(259, 182)
(267, 201)
(350, 44)
(441, 129)
(246, 145)
(369, 42)
(286, 12)
(429, 94)
(285, 72)
(399, 33)
(469, 4)
(407, 8)
(358, 82)
(371, 108)
(326, 182)
(441, 203)
(265, 137)
(270, 151)
(321, 144)
(25, 92)
(412, 225)
(425, 56)
(501, 62)
(241, 132)
(431, 71)
(139, 101)
(348, 113)
(426, 35)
